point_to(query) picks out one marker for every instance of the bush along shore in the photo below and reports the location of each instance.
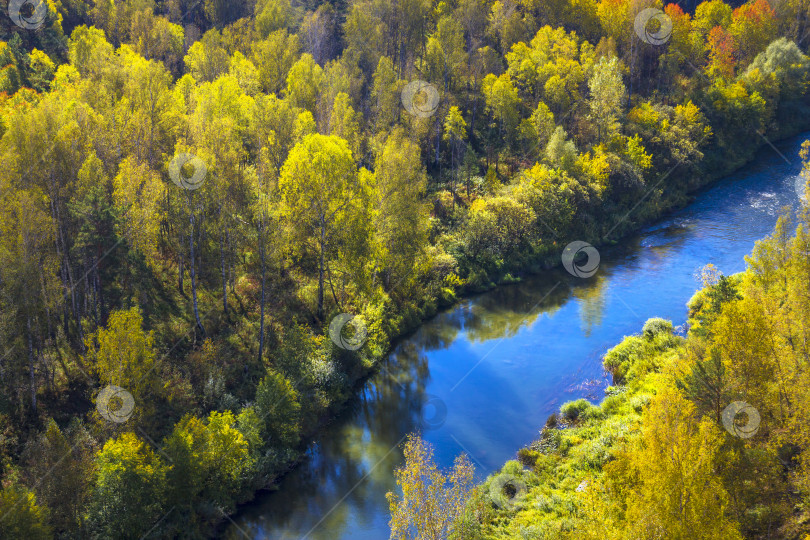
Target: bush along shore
(216, 218)
(702, 436)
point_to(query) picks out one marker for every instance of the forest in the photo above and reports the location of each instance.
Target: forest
(216, 217)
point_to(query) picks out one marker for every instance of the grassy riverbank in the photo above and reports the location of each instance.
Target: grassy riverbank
(663, 455)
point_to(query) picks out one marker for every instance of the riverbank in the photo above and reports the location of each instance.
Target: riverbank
(625, 227)
(445, 396)
(703, 436)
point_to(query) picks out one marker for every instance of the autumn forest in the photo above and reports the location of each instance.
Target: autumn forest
(217, 218)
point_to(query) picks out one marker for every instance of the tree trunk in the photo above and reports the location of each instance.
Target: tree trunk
(438, 139)
(453, 167)
(99, 299)
(332, 287)
(31, 366)
(193, 276)
(72, 286)
(261, 302)
(321, 269)
(180, 271)
(224, 276)
(231, 259)
(66, 309)
(51, 334)
(63, 274)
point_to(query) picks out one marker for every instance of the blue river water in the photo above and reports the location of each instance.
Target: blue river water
(483, 377)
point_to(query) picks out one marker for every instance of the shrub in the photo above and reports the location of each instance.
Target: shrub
(639, 402)
(592, 413)
(612, 403)
(655, 326)
(573, 410)
(618, 359)
(528, 457)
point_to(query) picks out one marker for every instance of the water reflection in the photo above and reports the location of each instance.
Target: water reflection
(347, 473)
(592, 299)
(501, 362)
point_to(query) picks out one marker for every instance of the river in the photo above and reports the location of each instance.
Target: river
(483, 377)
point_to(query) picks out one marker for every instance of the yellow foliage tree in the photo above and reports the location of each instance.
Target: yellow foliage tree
(123, 353)
(432, 503)
(675, 492)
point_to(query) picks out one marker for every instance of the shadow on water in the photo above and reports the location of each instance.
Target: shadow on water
(483, 377)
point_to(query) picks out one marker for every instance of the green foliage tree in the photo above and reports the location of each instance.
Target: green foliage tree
(607, 95)
(207, 59)
(503, 102)
(274, 15)
(278, 407)
(343, 123)
(22, 516)
(274, 57)
(324, 201)
(304, 83)
(498, 226)
(455, 131)
(210, 463)
(400, 218)
(123, 353)
(129, 488)
(61, 470)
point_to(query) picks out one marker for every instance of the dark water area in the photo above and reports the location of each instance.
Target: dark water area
(483, 377)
